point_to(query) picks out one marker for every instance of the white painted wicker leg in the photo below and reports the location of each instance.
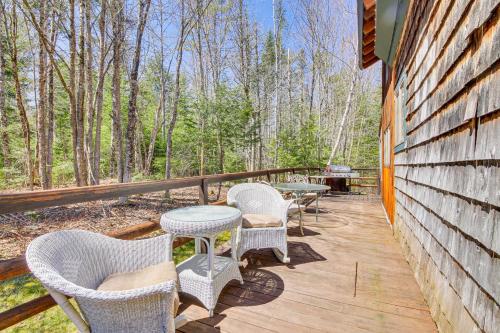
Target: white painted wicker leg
(317, 196)
(180, 320)
(300, 219)
(282, 255)
(70, 311)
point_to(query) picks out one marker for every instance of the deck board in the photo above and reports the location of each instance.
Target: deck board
(315, 292)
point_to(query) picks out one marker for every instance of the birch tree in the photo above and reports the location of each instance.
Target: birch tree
(347, 109)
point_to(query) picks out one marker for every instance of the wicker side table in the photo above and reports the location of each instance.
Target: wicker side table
(205, 275)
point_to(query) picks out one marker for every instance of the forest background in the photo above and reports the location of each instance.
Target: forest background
(116, 91)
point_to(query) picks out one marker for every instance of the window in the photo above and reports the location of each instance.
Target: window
(401, 96)
(387, 147)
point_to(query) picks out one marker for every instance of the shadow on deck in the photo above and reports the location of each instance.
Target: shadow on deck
(320, 290)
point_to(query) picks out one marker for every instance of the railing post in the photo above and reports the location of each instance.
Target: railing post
(203, 200)
(268, 176)
(203, 192)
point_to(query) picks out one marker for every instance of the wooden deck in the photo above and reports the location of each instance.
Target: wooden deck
(317, 291)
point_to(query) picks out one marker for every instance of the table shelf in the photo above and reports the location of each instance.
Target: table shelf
(196, 267)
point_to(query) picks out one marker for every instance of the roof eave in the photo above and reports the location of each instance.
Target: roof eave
(366, 33)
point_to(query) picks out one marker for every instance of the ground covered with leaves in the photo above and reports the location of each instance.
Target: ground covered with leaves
(17, 230)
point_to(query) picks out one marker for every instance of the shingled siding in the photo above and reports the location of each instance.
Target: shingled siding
(447, 179)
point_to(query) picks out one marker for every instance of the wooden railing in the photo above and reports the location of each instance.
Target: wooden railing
(26, 201)
(368, 178)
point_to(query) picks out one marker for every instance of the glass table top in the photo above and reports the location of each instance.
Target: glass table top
(300, 187)
(202, 213)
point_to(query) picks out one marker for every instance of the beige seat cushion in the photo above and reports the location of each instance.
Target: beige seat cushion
(145, 277)
(260, 221)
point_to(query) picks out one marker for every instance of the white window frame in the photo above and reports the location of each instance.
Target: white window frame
(400, 112)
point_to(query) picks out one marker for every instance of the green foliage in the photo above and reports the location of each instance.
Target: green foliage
(299, 148)
(22, 289)
(216, 129)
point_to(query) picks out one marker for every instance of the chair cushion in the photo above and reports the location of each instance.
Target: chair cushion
(311, 195)
(145, 277)
(260, 221)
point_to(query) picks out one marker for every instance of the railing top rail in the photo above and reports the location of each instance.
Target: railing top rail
(26, 201)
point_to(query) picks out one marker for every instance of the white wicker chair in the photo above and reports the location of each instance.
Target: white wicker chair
(74, 263)
(254, 198)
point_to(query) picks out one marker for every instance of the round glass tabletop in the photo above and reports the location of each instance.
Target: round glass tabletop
(300, 187)
(202, 213)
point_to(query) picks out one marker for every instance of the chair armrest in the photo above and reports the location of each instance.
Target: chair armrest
(284, 207)
(123, 295)
(232, 203)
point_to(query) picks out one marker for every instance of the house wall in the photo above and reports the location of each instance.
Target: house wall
(446, 181)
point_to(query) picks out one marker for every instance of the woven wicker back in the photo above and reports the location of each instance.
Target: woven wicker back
(297, 178)
(254, 198)
(72, 255)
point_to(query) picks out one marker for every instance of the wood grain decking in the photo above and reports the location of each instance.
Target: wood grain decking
(316, 292)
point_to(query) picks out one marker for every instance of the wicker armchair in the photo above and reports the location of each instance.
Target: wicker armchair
(74, 263)
(261, 202)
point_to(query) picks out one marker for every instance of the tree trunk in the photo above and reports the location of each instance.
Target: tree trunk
(259, 103)
(19, 95)
(202, 87)
(42, 101)
(72, 88)
(80, 148)
(4, 134)
(99, 97)
(177, 93)
(69, 88)
(134, 89)
(152, 142)
(117, 142)
(220, 147)
(277, 76)
(50, 100)
(313, 84)
(344, 117)
(89, 145)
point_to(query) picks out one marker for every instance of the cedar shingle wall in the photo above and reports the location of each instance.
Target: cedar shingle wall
(447, 180)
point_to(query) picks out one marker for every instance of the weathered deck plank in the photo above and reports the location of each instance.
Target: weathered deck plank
(315, 292)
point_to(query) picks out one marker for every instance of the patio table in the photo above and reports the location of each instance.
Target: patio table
(299, 190)
(205, 275)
